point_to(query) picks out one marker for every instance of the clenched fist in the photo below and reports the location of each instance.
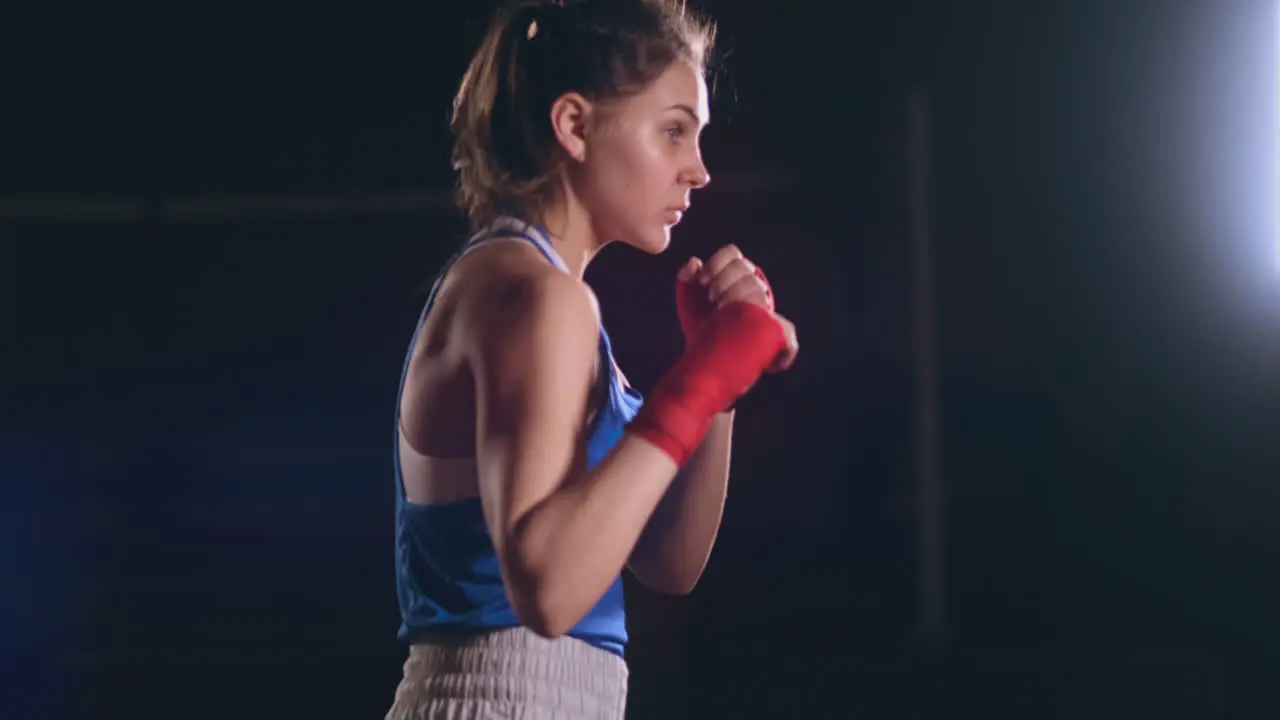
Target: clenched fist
(728, 277)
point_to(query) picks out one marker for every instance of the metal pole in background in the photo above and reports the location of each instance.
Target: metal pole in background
(931, 493)
(179, 208)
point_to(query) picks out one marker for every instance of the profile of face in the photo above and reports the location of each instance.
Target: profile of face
(634, 164)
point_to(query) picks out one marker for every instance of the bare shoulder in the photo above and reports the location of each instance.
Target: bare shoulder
(532, 335)
(509, 296)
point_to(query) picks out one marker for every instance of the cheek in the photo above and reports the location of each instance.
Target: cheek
(640, 168)
(630, 184)
(647, 174)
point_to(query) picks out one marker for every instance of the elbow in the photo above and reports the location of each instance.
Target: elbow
(544, 625)
(540, 602)
(683, 587)
(540, 612)
(679, 585)
(666, 578)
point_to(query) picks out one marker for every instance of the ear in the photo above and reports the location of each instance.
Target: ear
(570, 118)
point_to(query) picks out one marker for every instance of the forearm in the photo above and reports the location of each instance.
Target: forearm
(676, 544)
(573, 544)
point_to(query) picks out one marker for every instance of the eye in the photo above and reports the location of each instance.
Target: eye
(676, 132)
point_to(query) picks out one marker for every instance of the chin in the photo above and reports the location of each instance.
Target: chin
(653, 242)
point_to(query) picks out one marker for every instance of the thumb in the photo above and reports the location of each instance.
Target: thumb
(690, 270)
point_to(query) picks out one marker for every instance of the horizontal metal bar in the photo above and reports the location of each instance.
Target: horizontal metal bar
(176, 209)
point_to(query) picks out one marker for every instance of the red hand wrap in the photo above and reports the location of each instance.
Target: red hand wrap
(727, 356)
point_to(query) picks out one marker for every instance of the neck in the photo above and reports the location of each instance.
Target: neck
(571, 232)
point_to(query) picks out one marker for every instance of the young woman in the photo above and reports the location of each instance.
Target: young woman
(528, 473)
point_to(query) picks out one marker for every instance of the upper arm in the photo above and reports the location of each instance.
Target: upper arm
(533, 358)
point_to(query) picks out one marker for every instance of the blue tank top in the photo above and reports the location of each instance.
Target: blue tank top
(447, 576)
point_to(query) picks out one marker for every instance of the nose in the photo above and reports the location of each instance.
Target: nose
(701, 180)
(693, 169)
(697, 175)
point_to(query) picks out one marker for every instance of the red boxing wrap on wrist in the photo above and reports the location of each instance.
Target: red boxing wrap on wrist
(727, 356)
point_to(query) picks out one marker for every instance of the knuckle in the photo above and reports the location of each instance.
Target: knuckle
(728, 253)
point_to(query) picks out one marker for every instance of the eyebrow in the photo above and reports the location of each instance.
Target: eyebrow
(690, 112)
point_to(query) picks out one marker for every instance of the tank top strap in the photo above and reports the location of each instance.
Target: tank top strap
(503, 228)
(511, 228)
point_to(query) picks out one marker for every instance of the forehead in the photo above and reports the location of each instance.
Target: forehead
(679, 85)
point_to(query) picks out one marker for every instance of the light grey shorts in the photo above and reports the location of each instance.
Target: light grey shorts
(511, 674)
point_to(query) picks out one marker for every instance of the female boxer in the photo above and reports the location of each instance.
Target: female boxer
(528, 473)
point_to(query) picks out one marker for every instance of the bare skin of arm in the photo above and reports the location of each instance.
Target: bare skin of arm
(676, 543)
(562, 533)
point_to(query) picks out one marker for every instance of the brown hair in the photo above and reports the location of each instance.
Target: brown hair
(535, 51)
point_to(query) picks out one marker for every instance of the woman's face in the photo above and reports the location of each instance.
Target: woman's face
(643, 158)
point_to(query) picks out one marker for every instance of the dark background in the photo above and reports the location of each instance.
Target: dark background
(217, 223)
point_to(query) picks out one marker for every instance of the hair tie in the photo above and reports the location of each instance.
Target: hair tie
(533, 24)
